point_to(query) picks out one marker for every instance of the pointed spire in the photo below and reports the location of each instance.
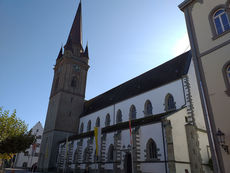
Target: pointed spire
(60, 53)
(75, 35)
(86, 51)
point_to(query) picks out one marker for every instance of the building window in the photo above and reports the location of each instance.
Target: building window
(221, 21)
(107, 120)
(75, 156)
(151, 149)
(24, 165)
(86, 155)
(39, 137)
(119, 116)
(82, 128)
(74, 81)
(169, 103)
(110, 153)
(226, 75)
(132, 112)
(89, 126)
(98, 122)
(96, 158)
(148, 108)
(26, 153)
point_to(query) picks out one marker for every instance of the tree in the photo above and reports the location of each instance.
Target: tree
(14, 137)
(16, 144)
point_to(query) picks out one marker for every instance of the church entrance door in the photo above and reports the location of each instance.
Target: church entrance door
(128, 163)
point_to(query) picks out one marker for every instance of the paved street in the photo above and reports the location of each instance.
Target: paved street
(14, 170)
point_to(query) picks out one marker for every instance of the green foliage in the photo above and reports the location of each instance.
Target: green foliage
(10, 125)
(13, 135)
(16, 144)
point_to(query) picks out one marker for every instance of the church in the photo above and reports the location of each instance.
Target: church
(151, 123)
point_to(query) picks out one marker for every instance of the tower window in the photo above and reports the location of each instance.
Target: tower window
(119, 116)
(221, 21)
(132, 112)
(151, 149)
(74, 81)
(107, 120)
(148, 108)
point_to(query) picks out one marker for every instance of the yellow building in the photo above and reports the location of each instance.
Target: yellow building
(208, 27)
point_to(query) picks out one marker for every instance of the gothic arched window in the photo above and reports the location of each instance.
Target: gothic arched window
(151, 149)
(169, 103)
(132, 112)
(148, 108)
(107, 120)
(74, 81)
(75, 157)
(89, 126)
(98, 122)
(82, 128)
(86, 155)
(119, 116)
(221, 21)
(110, 152)
(96, 158)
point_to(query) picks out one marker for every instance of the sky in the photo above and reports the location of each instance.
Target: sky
(125, 38)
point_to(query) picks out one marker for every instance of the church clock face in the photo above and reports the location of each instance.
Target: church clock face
(76, 68)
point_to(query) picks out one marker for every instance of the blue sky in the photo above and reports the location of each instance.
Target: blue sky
(125, 38)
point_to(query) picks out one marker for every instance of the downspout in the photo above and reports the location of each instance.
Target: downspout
(216, 165)
(163, 137)
(185, 102)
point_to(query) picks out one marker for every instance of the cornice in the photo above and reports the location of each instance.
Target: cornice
(184, 4)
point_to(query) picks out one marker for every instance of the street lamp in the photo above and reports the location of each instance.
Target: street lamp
(221, 139)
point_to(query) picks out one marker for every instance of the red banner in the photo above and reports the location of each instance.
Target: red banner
(130, 132)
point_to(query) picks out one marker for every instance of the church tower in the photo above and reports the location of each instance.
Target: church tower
(67, 95)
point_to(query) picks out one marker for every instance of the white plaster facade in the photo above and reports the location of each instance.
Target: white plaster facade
(29, 157)
(170, 134)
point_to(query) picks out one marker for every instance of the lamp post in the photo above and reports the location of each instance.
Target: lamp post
(221, 139)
